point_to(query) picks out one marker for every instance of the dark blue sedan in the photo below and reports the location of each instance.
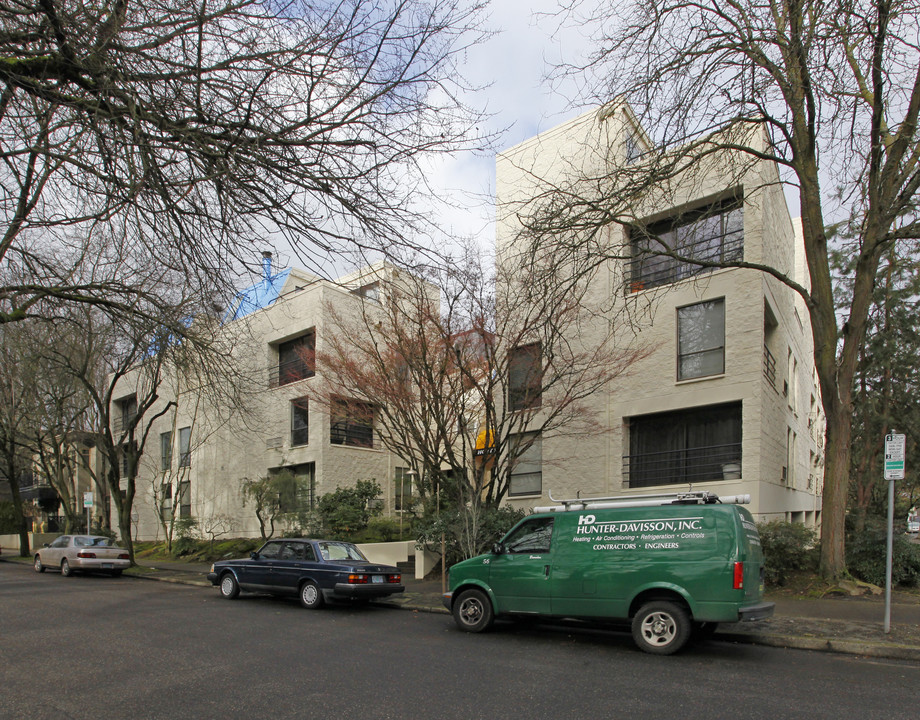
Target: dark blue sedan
(316, 571)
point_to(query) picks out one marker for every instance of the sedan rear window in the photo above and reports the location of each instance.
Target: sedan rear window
(340, 551)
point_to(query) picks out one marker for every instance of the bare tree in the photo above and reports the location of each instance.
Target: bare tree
(463, 391)
(829, 92)
(175, 133)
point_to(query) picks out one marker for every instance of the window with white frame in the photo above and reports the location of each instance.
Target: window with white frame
(701, 339)
(300, 422)
(527, 465)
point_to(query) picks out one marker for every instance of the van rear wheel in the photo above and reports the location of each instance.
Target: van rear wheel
(661, 627)
(473, 611)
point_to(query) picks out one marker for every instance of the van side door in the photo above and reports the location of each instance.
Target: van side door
(519, 575)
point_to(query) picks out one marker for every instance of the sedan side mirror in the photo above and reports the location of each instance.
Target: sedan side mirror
(253, 555)
(47, 545)
(498, 548)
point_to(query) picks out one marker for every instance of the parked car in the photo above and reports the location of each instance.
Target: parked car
(316, 571)
(84, 553)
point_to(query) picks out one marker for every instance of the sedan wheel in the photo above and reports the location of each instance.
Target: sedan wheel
(310, 596)
(229, 587)
(65, 568)
(38, 564)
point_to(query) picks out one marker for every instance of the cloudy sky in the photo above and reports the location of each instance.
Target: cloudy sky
(513, 65)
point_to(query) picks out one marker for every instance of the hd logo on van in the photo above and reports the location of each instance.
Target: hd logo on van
(654, 534)
(588, 525)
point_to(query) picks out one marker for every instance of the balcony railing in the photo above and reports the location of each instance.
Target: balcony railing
(682, 467)
(650, 269)
(288, 372)
(769, 366)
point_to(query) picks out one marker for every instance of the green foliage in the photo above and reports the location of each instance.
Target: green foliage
(385, 529)
(466, 533)
(185, 539)
(787, 547)
(867, 553)
(278, 498)
(346, 511)
(9, 520)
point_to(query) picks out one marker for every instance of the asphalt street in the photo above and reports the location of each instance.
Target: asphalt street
(98, 647)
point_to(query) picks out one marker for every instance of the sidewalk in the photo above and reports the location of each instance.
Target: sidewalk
(844, 625)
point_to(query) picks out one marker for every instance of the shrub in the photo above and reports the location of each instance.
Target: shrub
(787, 547)
(9, 521)
(465, 533)
(867, 553)
(347, 511)
(185, 541)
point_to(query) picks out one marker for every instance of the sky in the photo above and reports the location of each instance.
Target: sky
(511, 66)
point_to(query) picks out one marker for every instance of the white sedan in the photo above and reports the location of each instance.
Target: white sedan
(87, 553)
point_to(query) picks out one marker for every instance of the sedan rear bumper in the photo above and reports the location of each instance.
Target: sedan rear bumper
(366, 590)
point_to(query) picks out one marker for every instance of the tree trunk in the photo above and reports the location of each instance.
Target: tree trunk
(836, 484)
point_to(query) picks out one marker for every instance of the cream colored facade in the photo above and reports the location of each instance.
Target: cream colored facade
(767, 359)
(204, 478)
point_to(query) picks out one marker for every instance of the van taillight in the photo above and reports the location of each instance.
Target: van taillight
(739, 576)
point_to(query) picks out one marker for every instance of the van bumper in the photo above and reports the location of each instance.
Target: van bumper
(446, 600)
(760, 611)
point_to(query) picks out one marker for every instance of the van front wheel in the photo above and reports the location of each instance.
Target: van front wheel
(473, 611)
(661, 627)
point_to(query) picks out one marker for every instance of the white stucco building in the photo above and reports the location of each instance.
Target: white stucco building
(726, 400)
(199, 455)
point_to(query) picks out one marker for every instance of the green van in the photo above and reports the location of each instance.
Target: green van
(670, 564)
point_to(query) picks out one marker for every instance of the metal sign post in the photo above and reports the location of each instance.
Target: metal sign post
(88, 504)
(894, 470)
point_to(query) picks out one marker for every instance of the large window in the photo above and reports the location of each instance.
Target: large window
(531, 536)
(298, 495)
(687, 446)
(128, 412)
(296, 359)
(185, 447)
(185, 498)
(527, 467)
(701, 340)
(351, 423)
(525, 377)
(712, 234)
(166, 451)
(300, 422)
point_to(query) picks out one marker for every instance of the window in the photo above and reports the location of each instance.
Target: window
(271, 550)
(128, 408)
(701, 340)
(166, 451)
(531, 536)
(686, 446)
(352, 423)
(185, 498)
(296, 359)
(371, 291)
(185, 447)
(299, 494)
(166, 502)
(527, 468)
(633, 148)
(402, 482)
(525, 377)
(711, 234)
(300, 422)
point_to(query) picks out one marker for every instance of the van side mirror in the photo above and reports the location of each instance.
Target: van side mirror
(498, 548)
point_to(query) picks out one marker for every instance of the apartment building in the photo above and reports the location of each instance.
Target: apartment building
(199, 455)
(726, 399)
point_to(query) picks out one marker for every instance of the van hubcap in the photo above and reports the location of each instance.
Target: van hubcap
(471, 612)
(659, 628)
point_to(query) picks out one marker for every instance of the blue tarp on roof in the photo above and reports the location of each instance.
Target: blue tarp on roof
(258, 296)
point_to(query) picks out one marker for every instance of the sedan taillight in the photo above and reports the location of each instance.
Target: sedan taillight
(86, 554)
(124, 556)
(356, 579)
(394, 578)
